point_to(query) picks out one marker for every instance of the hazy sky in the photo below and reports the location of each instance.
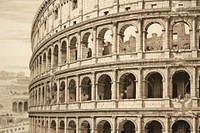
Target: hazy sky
(16, 17)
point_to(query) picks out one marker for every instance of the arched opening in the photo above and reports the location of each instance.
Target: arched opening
(181, 126)
(127, 127)
(180, 36)
(154, 85)
(127, 86)
(62, 127)
(73, 49)
(87, 46)
(127, 39)
(181, 85)
(20, 106)
(26, 106)
(86, 89)
(49, 58)
(72, 127)
(55, 58)
(153, 127)
(72, 91)
(54, 94)
(104, 87)
(105, 42)
(14, 107)
(62, 92)
(64, 52)
(153, 38)
(104, 127)
(53, 127)
(85, 127)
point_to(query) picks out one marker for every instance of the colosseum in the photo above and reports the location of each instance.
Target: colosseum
(115, 66)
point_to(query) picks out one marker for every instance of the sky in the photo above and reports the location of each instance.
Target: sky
(16, 17)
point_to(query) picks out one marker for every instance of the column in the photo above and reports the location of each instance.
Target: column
(139, 39)
(79, 45)
(194, 123)
(49, 125)
(94, 46)
(114, 121)
(193, 82)
(77, 88)
(114, 85)
(93, 124)
(52, 57)
(38, 92)
(139, 124)
(68, 49)
(114, 45)
(166, 84)
(65, 129)
(58, 91)
(93, 86)
(57, 125)
(77, 125)
(167, 124)
(59, 53)
(193, 35)
(66, 90)
(139, 84)
(45, 94)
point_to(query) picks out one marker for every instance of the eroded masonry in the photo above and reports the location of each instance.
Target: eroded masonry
(115, 66)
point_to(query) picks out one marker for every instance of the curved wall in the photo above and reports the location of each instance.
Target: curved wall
(111, 65)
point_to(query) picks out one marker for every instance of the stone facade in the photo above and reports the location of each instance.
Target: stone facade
(86, 78)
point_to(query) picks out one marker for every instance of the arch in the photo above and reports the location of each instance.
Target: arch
(85, 127)
(127, 126)
(26, 106)
(154, 41)
(20, 107)
(55, 54)
(104, 127)
(181, 126)
(14, 107)
(72, 127)
(127, 38)
(73, 49)
(72, 90)
(105, 42)
(154, 85)
(87, 45)
(62, 92)
(181, 85)
(86, 89)
(104, 87)
(180, 35)
(63, 52)
(53, 126)
(153, 126)
(127, 86)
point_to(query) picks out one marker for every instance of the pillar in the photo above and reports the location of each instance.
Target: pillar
(139, 124)
(77, 88)
(66, 90)
(114, 45)
(93, 86)
(193, 82)
(52, 57)
(139, 84)
(194, 123)
(59, 53)
(193, 35)
(38, 92)
(94, 45)
(57, 125)
(77, 125)
(114, 85)
(166, 83)
(65, 129)
(167, 124)
(68, 49)
(93, 124)
(58, 91)
(114, 121)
